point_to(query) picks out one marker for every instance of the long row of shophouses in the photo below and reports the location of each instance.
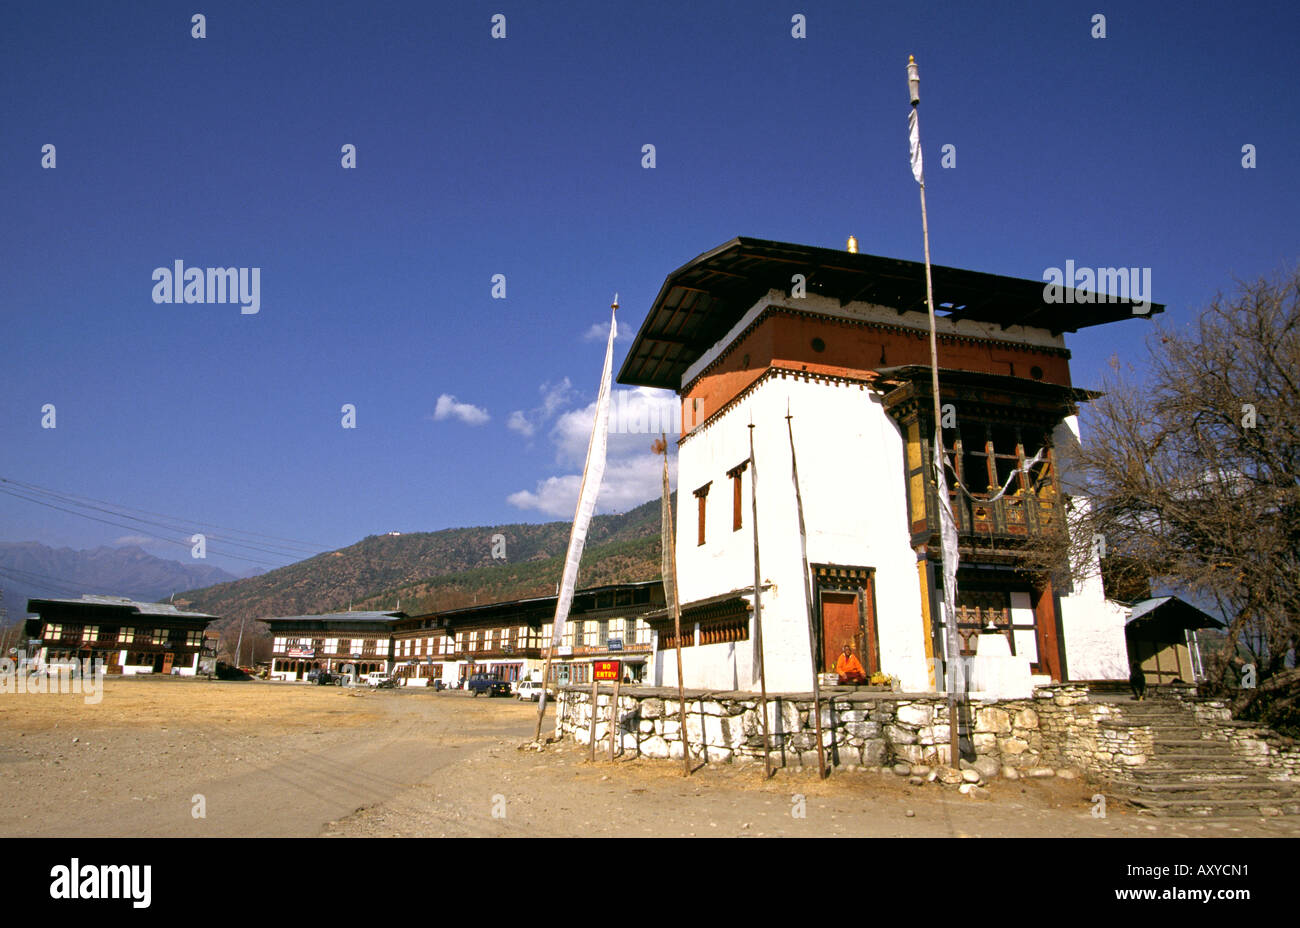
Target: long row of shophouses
(507, 639)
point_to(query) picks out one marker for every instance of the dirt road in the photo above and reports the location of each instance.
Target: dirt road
(264, 759)
(257, 759)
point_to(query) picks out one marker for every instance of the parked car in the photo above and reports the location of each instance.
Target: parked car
(494, 686)
(531, 689)
(379, 680)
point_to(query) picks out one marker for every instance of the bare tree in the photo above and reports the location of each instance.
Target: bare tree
(1193, 472)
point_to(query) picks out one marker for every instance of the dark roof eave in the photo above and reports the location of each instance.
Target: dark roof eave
(973, 295)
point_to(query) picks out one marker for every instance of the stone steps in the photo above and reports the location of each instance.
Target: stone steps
(1192, 746)
(1158, 726)
(1205, 772)
(1191, 758)
(1218, 808)
(1221, 789)
(1189, 775)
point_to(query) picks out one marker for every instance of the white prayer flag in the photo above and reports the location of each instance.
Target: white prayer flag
(914, 144)
(947, 538)
(592, 475)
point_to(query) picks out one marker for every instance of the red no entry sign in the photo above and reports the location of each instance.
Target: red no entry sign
(606, 670)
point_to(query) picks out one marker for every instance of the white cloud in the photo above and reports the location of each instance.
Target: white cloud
(448, 408)
(556, 496)
(632, 472)
(140, 540)
(519, 423)
(555, 396)
(636, 418)
(629, 481)
(572, 434)
(599, 332)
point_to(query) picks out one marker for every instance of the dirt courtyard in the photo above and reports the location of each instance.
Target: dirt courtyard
(168, 757)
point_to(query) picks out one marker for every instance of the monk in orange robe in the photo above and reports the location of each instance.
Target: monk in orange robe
(849, 668)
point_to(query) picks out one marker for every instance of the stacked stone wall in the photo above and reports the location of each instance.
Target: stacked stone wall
(1057, 731)
(1260, 746)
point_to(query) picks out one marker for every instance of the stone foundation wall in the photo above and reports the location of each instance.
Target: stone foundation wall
(1058, 731)
(1055, 731)
(1253, 743)
(1092, 737)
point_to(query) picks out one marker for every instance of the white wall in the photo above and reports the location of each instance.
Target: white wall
(1092, 626)
(852, 483)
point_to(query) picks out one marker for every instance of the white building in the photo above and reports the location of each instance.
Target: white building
(754, 330)
(358, 642)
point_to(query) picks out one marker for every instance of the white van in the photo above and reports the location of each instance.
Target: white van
(530, 689)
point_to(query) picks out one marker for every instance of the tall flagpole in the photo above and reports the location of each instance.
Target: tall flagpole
(593, 472)
(668, 549)
(758, 613)
(950, 606)
(822, 769)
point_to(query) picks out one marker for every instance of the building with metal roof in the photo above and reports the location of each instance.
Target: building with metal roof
(825, 354)
(129, 636)
(361, 640)
(1161, 633)
(704, 298)
(509, 639)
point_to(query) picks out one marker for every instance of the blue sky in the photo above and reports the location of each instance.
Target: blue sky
(522, 156)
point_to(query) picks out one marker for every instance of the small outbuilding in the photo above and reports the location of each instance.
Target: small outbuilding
(1161, 635)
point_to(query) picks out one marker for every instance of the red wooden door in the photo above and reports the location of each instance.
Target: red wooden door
(840, 626)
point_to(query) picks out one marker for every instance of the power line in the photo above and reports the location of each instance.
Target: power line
(270, 542)
(42, 581)
(310, 545)
(183, 544)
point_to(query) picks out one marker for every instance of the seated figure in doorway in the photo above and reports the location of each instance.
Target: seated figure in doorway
(849, 668)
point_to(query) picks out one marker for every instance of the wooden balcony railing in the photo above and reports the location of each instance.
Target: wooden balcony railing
(1014, 517)
(1011, 516)
(148, 644)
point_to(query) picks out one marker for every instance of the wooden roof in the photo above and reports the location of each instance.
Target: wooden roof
(700, 301)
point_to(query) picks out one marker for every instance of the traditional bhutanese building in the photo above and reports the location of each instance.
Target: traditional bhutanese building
(505, 639)
(362, 641)
(755, 330)
(509, 639)
(130, 637)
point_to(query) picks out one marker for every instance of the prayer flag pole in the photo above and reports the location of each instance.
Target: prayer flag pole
(592, 474)
(758, 610)
(947, 529)
(822, 769)
(669, 551)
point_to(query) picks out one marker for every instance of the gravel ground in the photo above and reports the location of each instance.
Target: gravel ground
(271, 759)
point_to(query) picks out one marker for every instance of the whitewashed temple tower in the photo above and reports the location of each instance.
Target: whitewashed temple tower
(753, 328)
